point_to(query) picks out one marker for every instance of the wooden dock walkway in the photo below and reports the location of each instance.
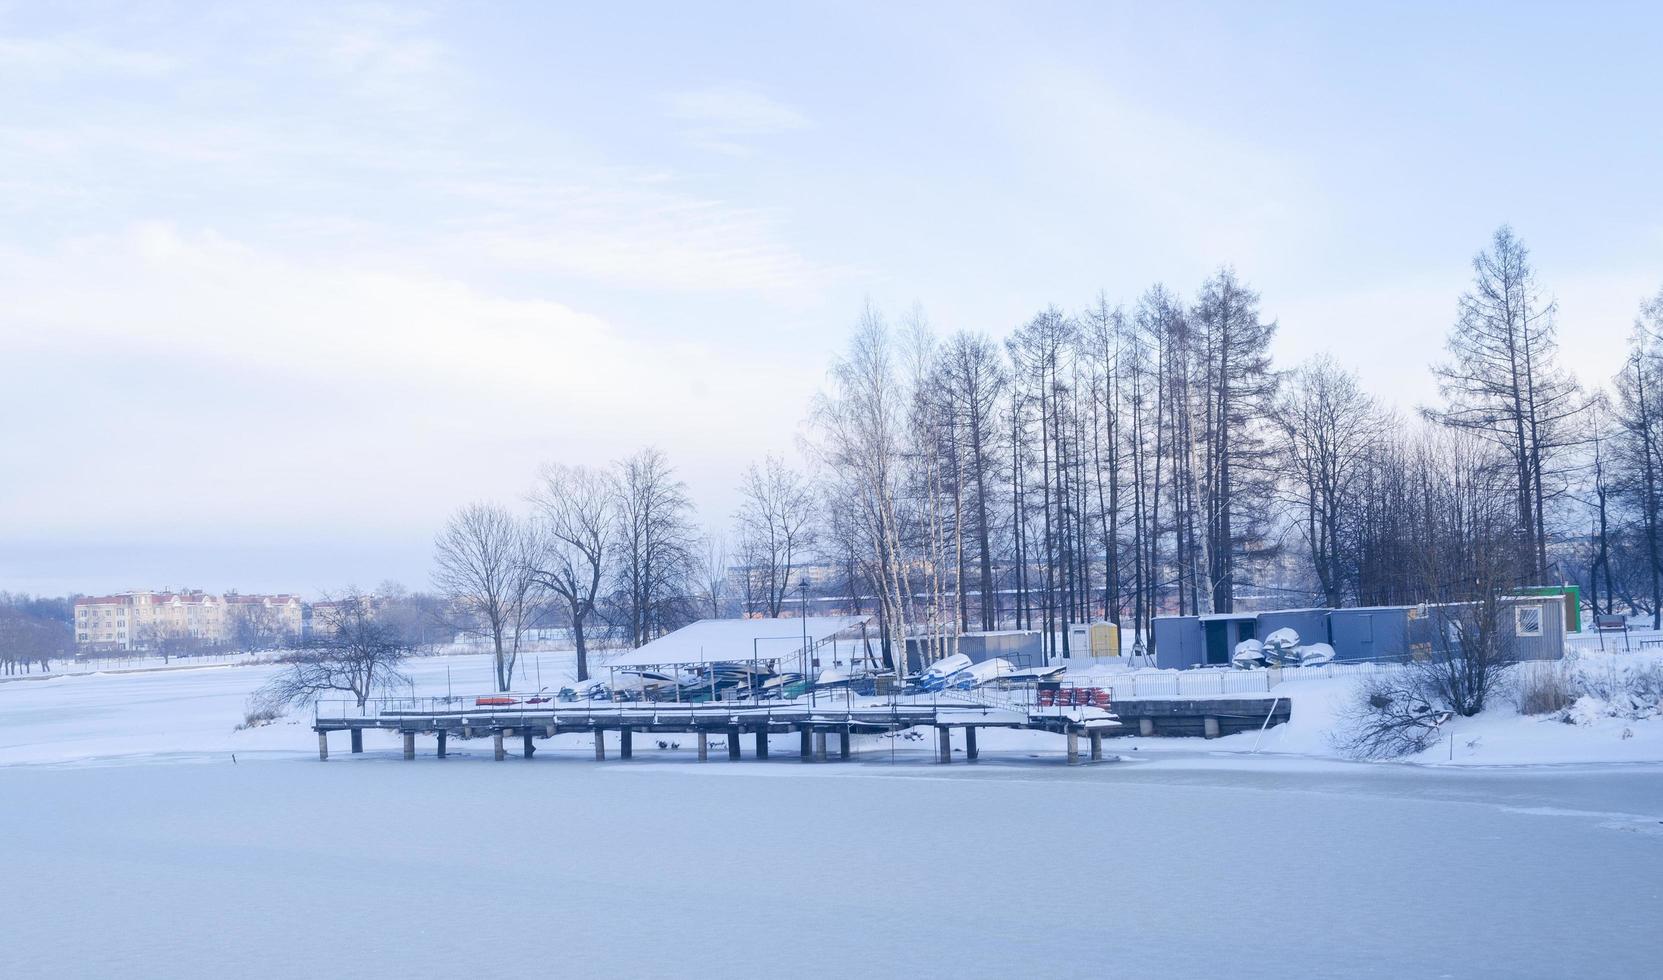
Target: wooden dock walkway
(529, 718)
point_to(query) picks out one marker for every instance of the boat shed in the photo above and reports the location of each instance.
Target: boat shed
(735, 640)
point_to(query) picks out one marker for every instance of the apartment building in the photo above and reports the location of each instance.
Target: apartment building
(133, 620)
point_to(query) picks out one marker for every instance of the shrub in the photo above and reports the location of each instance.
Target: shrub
(1390, 717)
(257, 716)
(1542, 689)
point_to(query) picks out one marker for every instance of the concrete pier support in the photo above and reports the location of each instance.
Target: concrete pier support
(820, 746)
(944, 744)
(1209, 727)
(761, 743)
(443, 736)
(843, 745)
(1073, 748)
(528, 749)
(409, 745)
(357, 740)
(497, 751)
(733, 745)
(600, 744)
(807, 745)
(970, 752)
(323, 746)
(1146, 727)
(704, 746)
(1096, 740)
(626, 743)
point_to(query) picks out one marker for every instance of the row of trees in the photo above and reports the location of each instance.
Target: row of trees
(33, 632)
(612, 550)
(1118, 462)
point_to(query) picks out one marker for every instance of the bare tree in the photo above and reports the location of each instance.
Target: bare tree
(484, 565)
(1467, 560)
(860, 423)
(356, 653)
(1503, 380)
(776, 526)
(713, 575)
(575, 515)
(1328, 427)
(1638, 453)
(656, 547)
(257, 626)
(974, 382)
(1235, 388)
(33, 632)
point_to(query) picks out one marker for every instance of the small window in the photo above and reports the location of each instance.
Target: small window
(1528, 619)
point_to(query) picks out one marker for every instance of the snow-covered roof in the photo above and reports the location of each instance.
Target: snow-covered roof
(713, 640)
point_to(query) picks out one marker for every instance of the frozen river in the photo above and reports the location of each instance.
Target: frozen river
(371, 866)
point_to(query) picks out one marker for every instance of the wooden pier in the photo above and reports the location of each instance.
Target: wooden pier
(446, 718)
(817, 722)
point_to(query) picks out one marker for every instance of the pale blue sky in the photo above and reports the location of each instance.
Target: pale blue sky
(282, 284)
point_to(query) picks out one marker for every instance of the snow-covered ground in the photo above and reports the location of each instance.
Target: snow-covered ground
(137, 847)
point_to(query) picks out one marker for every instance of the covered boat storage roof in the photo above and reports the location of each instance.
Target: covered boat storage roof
(729, 640)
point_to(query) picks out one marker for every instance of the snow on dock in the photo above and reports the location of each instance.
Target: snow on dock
(814, 718)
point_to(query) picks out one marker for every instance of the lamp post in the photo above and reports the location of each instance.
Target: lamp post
(802, 590)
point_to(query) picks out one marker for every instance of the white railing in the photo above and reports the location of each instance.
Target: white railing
(1592, 642)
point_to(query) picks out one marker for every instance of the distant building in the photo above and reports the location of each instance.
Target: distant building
(136, 620)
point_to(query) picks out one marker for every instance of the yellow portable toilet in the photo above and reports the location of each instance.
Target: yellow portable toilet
(1105, 640)
(1094, 640)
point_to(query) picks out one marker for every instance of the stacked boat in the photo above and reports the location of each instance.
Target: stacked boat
(1280, 649)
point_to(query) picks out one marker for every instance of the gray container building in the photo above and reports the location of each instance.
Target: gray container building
(1190, 641)
(1310, 624)
(1370, 632)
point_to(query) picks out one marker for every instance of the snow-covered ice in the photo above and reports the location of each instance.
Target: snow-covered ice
(136, 847)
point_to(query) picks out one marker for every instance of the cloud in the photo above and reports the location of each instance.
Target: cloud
(656, 241)
(222, 382)
(723, 117)
(46, 57)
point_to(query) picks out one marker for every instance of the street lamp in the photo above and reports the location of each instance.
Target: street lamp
(802, 590)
